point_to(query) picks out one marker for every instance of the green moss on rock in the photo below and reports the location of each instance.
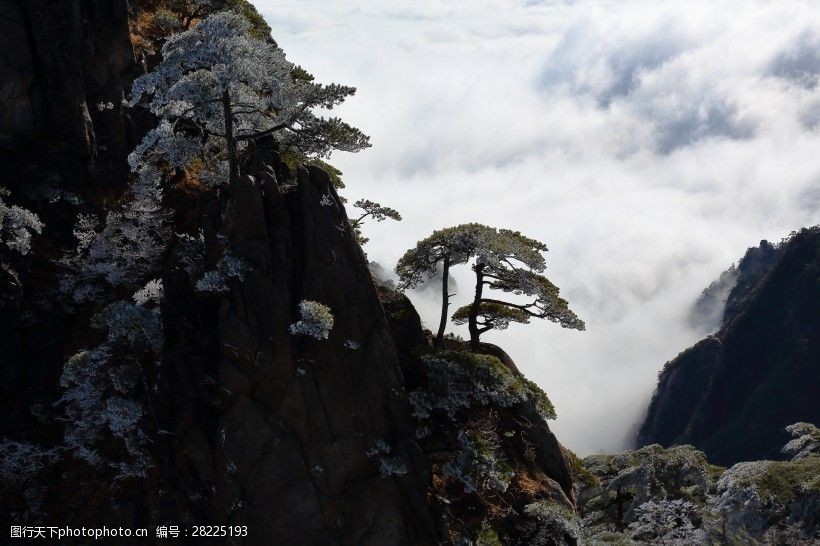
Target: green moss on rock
(486, 536)
(460, 379)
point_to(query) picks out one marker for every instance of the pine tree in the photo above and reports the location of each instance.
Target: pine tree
(505, 260)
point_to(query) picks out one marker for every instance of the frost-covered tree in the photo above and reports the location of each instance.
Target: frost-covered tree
(509, 262)
(219, 87)
(374, 211)
(128, 245)
(448, 247)
(216, 280)
(389, 465)
(101, 386)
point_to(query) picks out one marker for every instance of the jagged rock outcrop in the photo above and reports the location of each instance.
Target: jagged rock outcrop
(655, 495)
(499, 475)
(732, 394)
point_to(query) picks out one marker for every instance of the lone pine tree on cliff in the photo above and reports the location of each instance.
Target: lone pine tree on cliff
(505, 261)
(219, 87)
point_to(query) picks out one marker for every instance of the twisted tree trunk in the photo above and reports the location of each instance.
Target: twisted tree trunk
(445, 301)
(233, 156)
(476, 305)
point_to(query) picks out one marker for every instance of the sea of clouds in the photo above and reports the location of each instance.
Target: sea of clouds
(647, 143)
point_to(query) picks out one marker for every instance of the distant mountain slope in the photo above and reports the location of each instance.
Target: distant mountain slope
(732, 394)
(722, 299)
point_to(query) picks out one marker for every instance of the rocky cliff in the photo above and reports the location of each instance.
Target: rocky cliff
(499, 475)
(732, 394)
(150, 371)
(62, 60)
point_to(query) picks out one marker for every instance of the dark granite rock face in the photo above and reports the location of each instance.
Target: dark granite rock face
(732, 394)
(253, 425)
(293, 419)
(60, 60)
(680, 387)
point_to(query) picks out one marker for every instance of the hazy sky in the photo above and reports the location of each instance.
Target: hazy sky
(647, 143)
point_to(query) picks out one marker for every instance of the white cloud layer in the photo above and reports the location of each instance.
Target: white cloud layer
(647, 143)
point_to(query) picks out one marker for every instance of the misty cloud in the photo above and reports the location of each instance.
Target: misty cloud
(800, 63)
(646, 72)
(647, 143)
(694, 122)
(602, 63)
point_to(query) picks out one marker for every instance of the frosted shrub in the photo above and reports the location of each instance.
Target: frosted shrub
(132, 323)
(479, 464)
(17, 226)
(150, 293)
(99, 385)
(316, 320)
(556, 521)
(666, 522)
(458, 380)
(388, 466)
(21, 461)
(752, 496)
(216, 280)
(129, 245)
(122, 415)
(84, 381)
